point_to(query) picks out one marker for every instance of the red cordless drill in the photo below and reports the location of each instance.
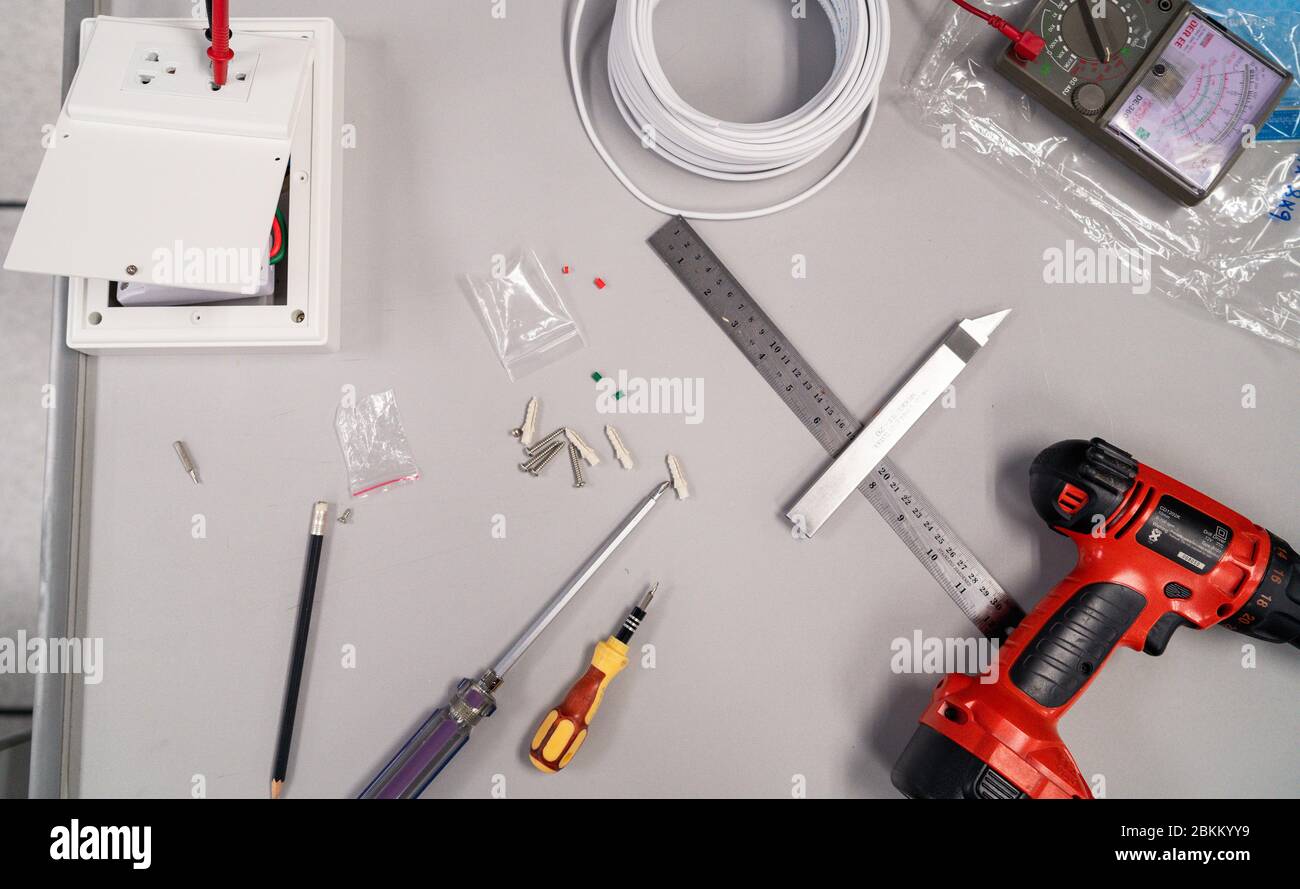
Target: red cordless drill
(1154, 555)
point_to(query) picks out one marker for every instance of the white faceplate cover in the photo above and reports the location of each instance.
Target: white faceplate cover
(144, 174)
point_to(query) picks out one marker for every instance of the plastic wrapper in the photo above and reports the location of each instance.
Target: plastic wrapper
(1235, 253)
(523, 314)
(374, 444)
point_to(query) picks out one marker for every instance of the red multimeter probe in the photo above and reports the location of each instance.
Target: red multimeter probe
(1154, 555)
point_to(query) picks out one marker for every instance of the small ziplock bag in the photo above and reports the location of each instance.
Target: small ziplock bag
(524, 316)
(374, 444)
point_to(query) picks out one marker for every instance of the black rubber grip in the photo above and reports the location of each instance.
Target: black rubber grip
(1070, 647)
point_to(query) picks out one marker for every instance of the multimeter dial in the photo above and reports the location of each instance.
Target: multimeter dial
(1095, 40)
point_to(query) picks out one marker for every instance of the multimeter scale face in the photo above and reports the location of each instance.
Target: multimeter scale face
(1123, 34)
(1157, 82)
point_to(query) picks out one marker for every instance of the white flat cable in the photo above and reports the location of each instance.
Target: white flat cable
(737, 152)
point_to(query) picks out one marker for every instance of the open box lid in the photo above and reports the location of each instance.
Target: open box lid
(153, 176)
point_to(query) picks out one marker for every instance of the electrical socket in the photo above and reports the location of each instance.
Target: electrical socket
(135, 170)
(180, 70)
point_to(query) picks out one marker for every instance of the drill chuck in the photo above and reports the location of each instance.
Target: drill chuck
(1273, 612)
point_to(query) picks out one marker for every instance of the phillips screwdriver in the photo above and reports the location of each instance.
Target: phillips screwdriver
(445, 732)
(565, 728)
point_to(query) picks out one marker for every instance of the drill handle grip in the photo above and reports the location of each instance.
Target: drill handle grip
(1065, 641)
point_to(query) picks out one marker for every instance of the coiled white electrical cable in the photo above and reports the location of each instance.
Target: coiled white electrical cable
(738, 152)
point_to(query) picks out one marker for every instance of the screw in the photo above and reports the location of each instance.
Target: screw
(132, 269)
(575, 460)
(535, 449)
(538, 463)
(345, 517)
(536, 458)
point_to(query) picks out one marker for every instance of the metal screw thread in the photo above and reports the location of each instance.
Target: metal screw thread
(575, 460)
(534, 449)
(537, 464)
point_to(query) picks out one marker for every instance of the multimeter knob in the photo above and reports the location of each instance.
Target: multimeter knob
(1088, 98)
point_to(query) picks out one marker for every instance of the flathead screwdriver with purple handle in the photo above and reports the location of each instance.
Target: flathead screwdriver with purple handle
(442, 735)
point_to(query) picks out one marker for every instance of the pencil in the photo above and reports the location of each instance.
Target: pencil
(315, 539)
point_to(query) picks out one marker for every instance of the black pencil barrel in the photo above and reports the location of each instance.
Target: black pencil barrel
(302, 627)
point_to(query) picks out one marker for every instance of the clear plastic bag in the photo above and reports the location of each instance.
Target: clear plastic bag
(1236, 253)
(374, 444)
(524, 316)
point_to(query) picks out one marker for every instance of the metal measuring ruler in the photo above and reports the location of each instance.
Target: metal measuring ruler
(941, 552)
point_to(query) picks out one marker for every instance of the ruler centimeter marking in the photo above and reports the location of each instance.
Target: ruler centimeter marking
(940, 551)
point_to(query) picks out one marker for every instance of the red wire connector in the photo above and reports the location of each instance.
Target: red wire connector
(1026, 44)
(220, 52)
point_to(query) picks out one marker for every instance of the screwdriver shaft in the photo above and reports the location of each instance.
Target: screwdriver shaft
(580, 579)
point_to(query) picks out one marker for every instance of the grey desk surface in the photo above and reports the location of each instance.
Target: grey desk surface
(772, 657)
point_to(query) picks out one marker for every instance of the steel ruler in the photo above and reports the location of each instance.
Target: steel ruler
(925, 532)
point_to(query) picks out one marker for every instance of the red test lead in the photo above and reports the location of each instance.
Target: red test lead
(1027, 45)
(220, 52)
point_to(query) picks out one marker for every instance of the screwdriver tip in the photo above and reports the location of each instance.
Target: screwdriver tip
(649, 595)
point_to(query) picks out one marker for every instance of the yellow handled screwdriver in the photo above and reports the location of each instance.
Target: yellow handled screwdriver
(565, 728)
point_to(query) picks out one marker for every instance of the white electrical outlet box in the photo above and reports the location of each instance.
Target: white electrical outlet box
(154, 177)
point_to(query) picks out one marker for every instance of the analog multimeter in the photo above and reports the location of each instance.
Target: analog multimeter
(1158, 83)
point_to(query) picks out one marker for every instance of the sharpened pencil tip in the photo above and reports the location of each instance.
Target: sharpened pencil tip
(275, 789)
